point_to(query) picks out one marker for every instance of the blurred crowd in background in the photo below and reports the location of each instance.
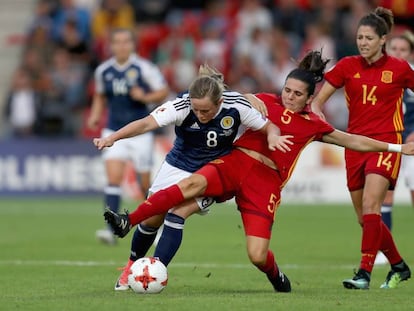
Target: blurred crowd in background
(255, 43)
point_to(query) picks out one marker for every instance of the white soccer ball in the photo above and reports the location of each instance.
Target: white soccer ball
(148, 276)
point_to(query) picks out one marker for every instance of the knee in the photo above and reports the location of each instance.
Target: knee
(193, 185)
(257, 257)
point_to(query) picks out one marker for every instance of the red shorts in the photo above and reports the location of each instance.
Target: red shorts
(360, 164)
(255, 186)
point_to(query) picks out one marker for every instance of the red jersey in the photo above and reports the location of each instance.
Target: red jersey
(304, 126)
(373, 92)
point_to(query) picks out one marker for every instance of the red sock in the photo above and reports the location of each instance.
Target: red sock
(158, 203)
(270, 267)
(388, 246)
(371, 240)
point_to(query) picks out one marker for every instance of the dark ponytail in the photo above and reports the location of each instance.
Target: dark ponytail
(310, 70)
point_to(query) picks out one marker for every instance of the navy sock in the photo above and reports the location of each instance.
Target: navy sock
(113, 197)
(142, 240)
(386, 215)
(171, 238)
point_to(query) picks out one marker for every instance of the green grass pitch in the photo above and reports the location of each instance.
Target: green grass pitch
(50, 260)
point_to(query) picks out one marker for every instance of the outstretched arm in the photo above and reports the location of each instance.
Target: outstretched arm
(134, 128)
(363, 143)
(323, 95)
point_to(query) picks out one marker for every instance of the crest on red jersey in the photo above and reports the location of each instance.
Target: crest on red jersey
(386, 76)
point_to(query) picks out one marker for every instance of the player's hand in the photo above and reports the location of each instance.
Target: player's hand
(101, 143)
(318, 111)
(280, 142)
(408, 148)
(259, 105)
(137, 93)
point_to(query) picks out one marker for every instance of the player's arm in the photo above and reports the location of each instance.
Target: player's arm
(134, 128)
(98, 106)
(157, 96)
(257, 103)
(362, 143)
(321, 98)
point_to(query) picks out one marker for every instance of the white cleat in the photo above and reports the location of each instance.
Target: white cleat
(106, 236)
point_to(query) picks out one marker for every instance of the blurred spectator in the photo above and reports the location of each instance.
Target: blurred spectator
(61, 111)
(281, 62)
(178, 48)
(42, 17)
(71, 40)
(291, 20)
(244, 77)
(112, 14)
(39, 40)
(34, 64)
(403, 11)
(252, 15)
(318, 38)
(257, 47)
(153, 11)
(212, 46)
(69, 12)
(89, 5)
(22, 104)
(346, 44)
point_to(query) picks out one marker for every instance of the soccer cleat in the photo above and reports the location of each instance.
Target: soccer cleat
(122, 282)
(359, 281)
(106, 236)
(396, 275)
(281, 283)
(120, 224)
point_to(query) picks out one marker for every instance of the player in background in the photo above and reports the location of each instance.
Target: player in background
(374, 83)
(257, 186)
(207, 120)
(401, 46)
(126, 84)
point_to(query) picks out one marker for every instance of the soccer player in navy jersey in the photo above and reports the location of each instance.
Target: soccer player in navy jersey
(257, 186)
(374, 84)
(126, 84)
(207, 120)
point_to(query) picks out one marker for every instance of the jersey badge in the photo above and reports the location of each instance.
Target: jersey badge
(131, 76)
(386, 76)
(227, 122)
(195, 126)
(357, 75)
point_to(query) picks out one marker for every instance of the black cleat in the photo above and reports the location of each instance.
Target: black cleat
(400, 272)
(281, 283)
(120, 224)
(359, 281)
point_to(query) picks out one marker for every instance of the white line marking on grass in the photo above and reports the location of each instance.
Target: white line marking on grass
(79, 263)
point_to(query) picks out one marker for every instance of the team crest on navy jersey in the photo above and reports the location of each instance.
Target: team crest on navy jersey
(386, 76)
(227, 122)
(131, 76)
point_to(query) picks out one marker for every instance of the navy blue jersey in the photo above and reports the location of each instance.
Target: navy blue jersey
(409, 113)
(115, 81)
(197, 143)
